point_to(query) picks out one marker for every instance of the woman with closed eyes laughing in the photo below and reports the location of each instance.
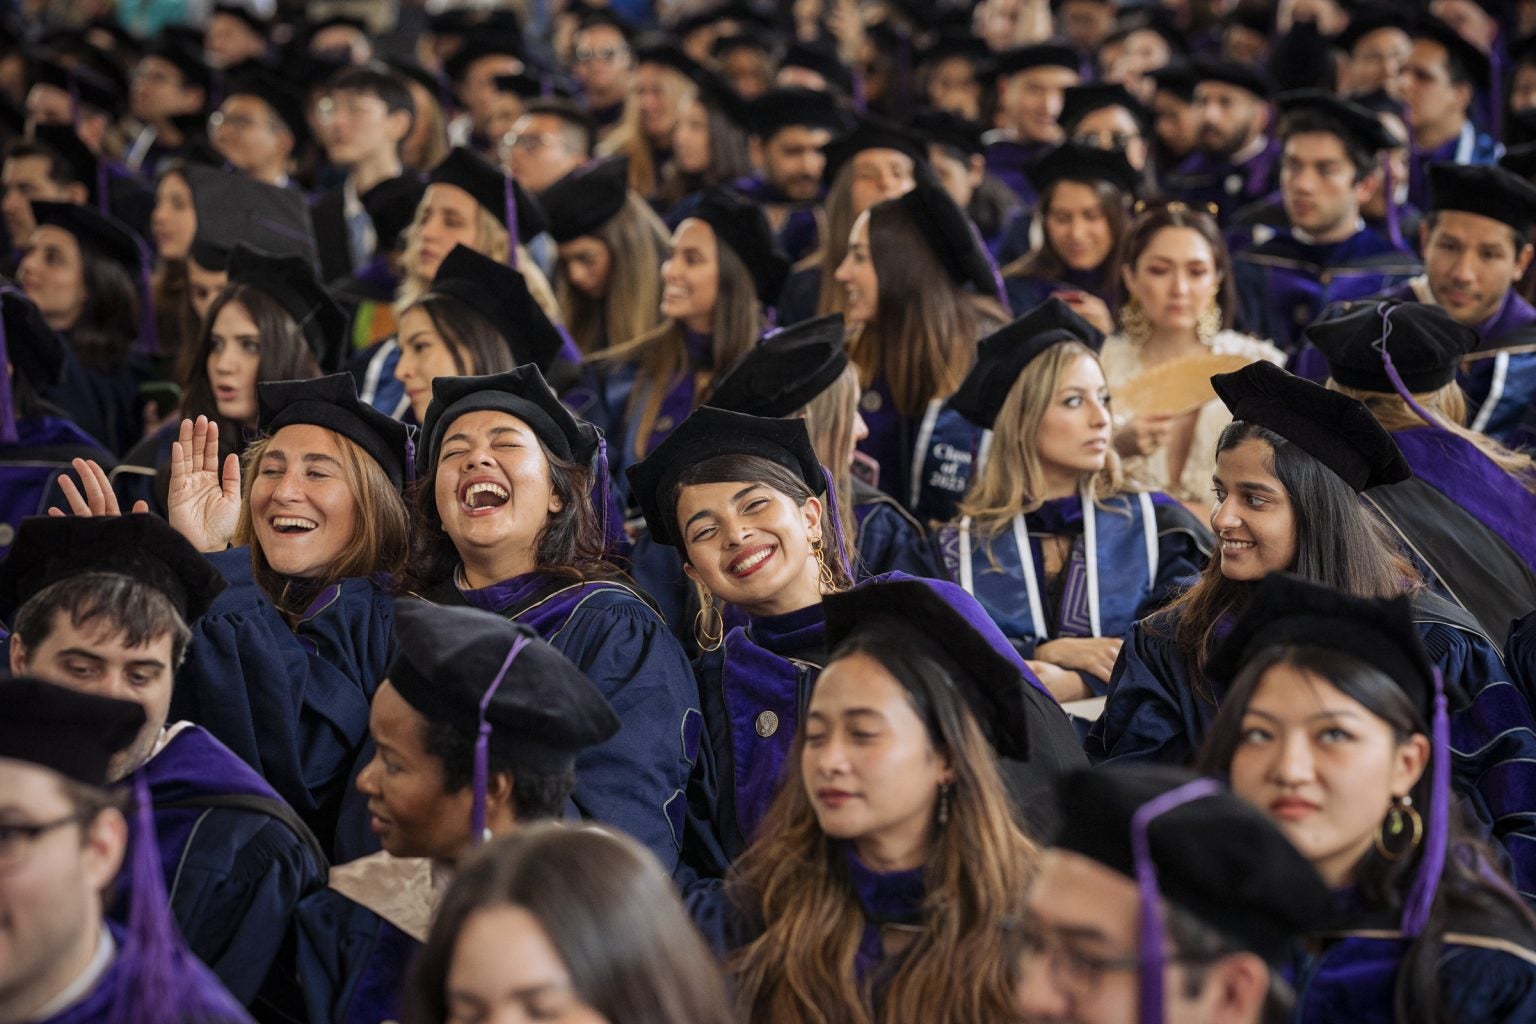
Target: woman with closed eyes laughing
(1337, 728)
(504, 521)
(1289, 472)
(310, 531)
(745, 502)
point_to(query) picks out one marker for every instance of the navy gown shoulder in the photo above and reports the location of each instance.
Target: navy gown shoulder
(1151, 712)
(292, 702)
(888, 538)
(30, 469)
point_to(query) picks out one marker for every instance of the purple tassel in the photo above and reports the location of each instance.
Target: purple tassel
(600, 495)
(1151, 928)
(74, 99)
(1386, 309)
(410, 458)
(834, 514)
(483, 747)
(860, 98)
(8, 432)
(103, 203)
(511, 195)
(1495, 87)
(1421, 897)
(149, 341)
(1389, 189)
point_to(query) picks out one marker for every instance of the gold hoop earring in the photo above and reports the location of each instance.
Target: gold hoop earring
(824, 578)
(708, 623)
(1401, 818)
(1208, 323)
(1134, 322)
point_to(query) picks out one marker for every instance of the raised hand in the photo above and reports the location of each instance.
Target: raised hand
(204, 501)
(96, 499)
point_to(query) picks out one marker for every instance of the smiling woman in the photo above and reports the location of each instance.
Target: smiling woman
(302, 636)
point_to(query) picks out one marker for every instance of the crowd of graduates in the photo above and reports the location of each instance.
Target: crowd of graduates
(852, 511)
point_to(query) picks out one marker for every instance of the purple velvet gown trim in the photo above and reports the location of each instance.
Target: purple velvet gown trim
(1455, 468)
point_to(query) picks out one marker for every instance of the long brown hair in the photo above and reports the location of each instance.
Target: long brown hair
(1447, 407)
(661, 354)
(922, 339)
(1339, 544)
(381, 539)
(1011, 480)
(833, 228)
(829, 419)
(794, 879)
(637, 242)
(1145, 227)
(1046, 263)
(628, 138)
(610, 913)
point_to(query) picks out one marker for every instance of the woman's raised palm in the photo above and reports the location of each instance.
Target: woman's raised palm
(204, 500)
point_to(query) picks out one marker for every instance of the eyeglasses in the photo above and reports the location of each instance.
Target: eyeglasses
(329, 107)
(16, 841)
(1106, 140)
(1074, 972)
(237, 122)
(606, 54)
(528, 142)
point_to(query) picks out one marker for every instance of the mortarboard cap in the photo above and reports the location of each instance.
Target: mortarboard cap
(1216, 857)
(1458, 49)
(391, 206)
(784, 372)
(654, 48)
(587, 198)
(531, 86)
(522, 393)
(1370, 19)
(822, 58)
(74, 734)
(90, 227)
(949, 233)
(1493, 192)
(1081, 100)
(194, 70)
(543, 711)
(232, 208)
(34, 350)
(332, 402)
(244, 13)
(950, 130)
(1334, 429)
(481, 45)
(786, 106)
(291, 282)
(1354, 121)
(741, 225)
(76, 156)
(487, 184)
(1426, 345)
(1177, 79)
(1076, 161)
(709, 432)
(141, 546)
(990, 683)
(871, 132)
(718, 95)
(499, 295)
(92, 88)
(1002, 356)
(276, 91)
(1520, 160)
(1232, 72)
(956, 44)
(1037, 55)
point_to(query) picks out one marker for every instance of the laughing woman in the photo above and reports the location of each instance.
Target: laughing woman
(505, 522)
(1335, 727)
(722, 270)
(1051, 542)
(742, 499)
(921, 293)
(1289, 472)
(285, 662)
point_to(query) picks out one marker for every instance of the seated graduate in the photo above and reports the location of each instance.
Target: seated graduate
(893, 853)
(65, 842)
(570, 924)
(1337, 728)
(37, 439)
(476, 729)
(1329, 166)
(1236, 160)
(1467, 511)
(1476, 246)
(272, 320)
(804, 371)
(284, 663)
(103, 602)
(1062, 554)
(1289, 471)
(505, 521)
(477, 320)
(1164, 897)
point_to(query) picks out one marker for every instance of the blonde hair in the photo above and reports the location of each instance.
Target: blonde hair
(1447, 407)
(380, 542)
(628, 138)
(1012, 481)
(637, 242)
(491, 239)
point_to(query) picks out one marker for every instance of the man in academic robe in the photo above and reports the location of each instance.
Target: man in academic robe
(1236, 161)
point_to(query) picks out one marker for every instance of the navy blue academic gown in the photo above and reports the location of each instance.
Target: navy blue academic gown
(926, 462)
(1203, 178)
(1500, 376)
(887, 538)
(1153, 714)
(636, 781)
(291, 702)
(1470, 146)
(1147, 549)
(30, 469)
(1006, 160)
(104, 402)
(235, 859)
(1025, 293)
(1283, 284)
(756, 685)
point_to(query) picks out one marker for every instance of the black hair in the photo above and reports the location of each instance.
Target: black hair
(104, 332)
(535, 796)
(60, 171)
(135, 612)
(477, 348)
(1516, 239)
(1305, 121)
(377, 80)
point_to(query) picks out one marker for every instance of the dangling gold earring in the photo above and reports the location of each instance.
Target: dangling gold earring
(1208, 323)
(1134, 322)
(1401, 818)
(824, 578)
(708, 623)
(945, 789)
